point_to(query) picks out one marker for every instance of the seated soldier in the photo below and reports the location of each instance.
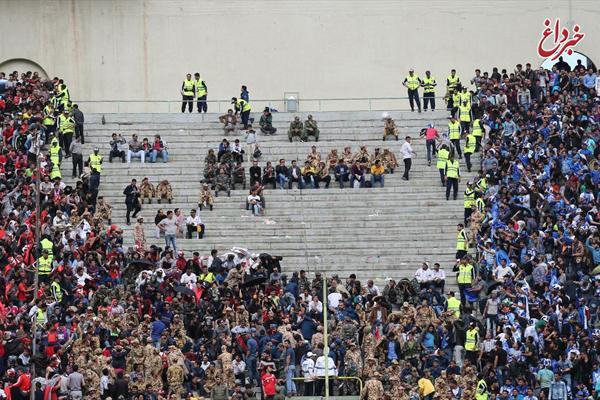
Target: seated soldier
(332, 158)
(348, 156)
(229, 121)
(322, 175)
(146, 191)
(164, 191)
(222, 182)
(377, 155)
(390, 128)
(314, 156)
(103, 211)
(210, 174)
(239, 175)
(210, 157)
(310, 129)
(296, 129)
(308, 175)
(266, 122)
(362, 156)
(389, 161)
(206, 197)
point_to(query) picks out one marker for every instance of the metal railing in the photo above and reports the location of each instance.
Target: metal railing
(281, 105)
(330, 396)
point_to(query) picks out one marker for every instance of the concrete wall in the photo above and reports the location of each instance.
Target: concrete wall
(141, 49)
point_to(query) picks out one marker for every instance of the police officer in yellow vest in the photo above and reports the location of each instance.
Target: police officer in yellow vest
(481, 185)
(454, 134)
(461, 247)
(442, 156)
(48, 122)
(95, 164)
(472, 343)
(466, 271)
(452, 174)
(56, 290)
(44, 266)
(469, 149)
(201, 92)
(453, 304)
(66, 129)
(55, 152)
(478, 133)
(412, 83)
(187, 91)
(429, 85)
(451, 83)
(479, 205)
(63, 96)
(468, 201)
(481, 392)
(464, 111)
(243, 107)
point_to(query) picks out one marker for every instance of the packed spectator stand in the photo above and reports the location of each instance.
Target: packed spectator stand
(146, 323)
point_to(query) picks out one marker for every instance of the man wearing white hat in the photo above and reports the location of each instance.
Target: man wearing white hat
(308, 371)
(413, 83)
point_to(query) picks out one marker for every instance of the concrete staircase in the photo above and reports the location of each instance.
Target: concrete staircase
(375, 233)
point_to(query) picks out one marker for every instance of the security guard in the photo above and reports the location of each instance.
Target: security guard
(56, 290)
(464, 110)
(442, 156)
(466, 272)
(451, 84)
(95, 164)
(63, 96)
(469, 149)
(48, 122)
(201, 92)
(413, 82)
(429, 85)
(454, 134)
(187, 91)
(468, 201)
(479, 204)
(55, 152)
(452, 174)
(461, 249)
(471, 343)
(453, 304)
(55, 172)
(66, 129)
(478, 133)
(44, 266)
(481, 392)
(481, 185)
(242, 107)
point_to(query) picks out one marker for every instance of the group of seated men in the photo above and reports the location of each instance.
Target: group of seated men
(144, 150)
(223, 173)
(162, 191)
(303, 130)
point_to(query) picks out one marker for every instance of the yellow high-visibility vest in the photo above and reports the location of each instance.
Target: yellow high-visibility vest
(44, 266)
(481, 391)
(55, 172)
(55, 286)
(188, 88)
(480, 204)
(242, 105)
(452, 169)
(200, 88)
(453, 82)
(48, 118)
(54, 154)
(454, 305)
(470, 143)
(465, 97)
(95, 162)
(428, 84)
(412, 82)
(40, 316)
(465, 112)
(66, 124)
(453, 130)
(465, 274)
(209, 277)
(461, 241)
(471, 341)
(481, 185)
(469, 198)
(442, 158)
(477, 131)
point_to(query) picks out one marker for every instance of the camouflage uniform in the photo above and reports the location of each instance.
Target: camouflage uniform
(296, 128)
(362, 156)
(425, 316)
(332, 158)
(210, 175)
(389, 161)
(206, 197)
(164, 191)
(348, 156)
(390, 128)
(373, 389)
(226, 359)
(146, 191)
(135, 355)
(397, 391)
(175, 377)
(103, 210)
(353, 367)
(310, 128)
(92, 382)
(239, 176)
(222, 183)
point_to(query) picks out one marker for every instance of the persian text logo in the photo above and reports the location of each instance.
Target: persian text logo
(559, 40)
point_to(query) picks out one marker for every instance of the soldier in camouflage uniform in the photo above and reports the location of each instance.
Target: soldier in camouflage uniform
(146, 191)
(238, 175)
(390, 128)
(390, 162)
(332, 158)
(135, 355)
(222, 183)
(175, 377)
(310, 129)
(92, 383)
(210, 174)
(206, 197)
(164, 191)
(103, 210)
(296, 129)
(397, 390)
(373, 389)
(353, 367)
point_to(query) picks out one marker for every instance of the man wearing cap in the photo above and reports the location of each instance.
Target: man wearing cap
(390, 128)
(308, 371)
(429, 85)
(310, 129)
(431, 135)
(412, 82)
(187, 93)
(95, 164)
(296, 129)
(66, 129)
(373, 389)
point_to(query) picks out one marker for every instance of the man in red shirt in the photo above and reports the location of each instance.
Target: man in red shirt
(20, 389)
(431, 135)
(268, 384)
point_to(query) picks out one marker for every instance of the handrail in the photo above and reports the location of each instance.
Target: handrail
(360, 384)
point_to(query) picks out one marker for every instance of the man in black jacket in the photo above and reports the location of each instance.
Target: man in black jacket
(281, 171)
(132, 201)
(255, 173)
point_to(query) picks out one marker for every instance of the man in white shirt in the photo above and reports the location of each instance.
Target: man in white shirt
(439, 277)
(308, 371)
(320, 374)
(503, 270)
(333, 299)
(169, 226)
(194, 224)
(407, 153)
(315, 306)
(189, 279)
(424, 276)
(372, 289)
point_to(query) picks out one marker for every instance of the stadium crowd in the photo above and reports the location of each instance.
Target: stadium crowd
(152, 323)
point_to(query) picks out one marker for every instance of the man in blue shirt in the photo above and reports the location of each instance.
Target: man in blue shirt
(589, 79)
(156, 331)
(251, 356)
